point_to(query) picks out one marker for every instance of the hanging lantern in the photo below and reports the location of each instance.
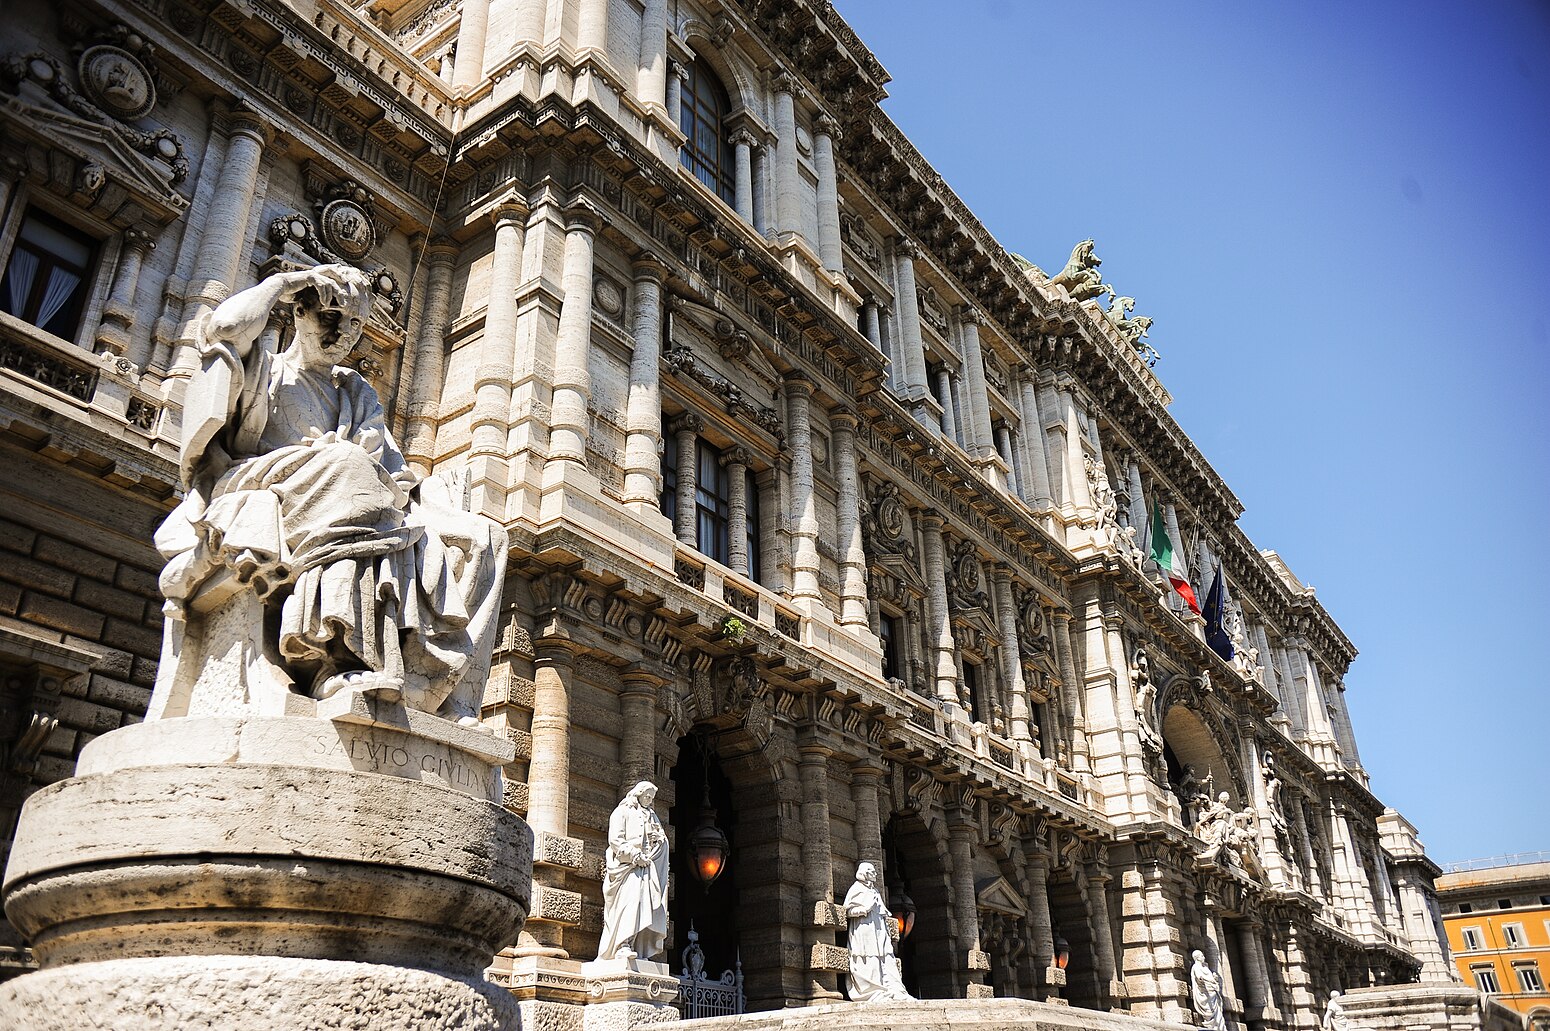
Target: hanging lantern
(902, 908)
(708, 848)
(1062, 951)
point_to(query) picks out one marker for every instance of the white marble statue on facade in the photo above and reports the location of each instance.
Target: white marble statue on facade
(874, 975)
(1205, 993)
(635, 879)
(1335, 1018)
(295, 491)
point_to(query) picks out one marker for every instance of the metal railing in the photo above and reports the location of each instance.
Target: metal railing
(701, 996)
(1511, 859)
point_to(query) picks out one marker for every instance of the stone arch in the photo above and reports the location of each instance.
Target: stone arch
(918, 863)
(756, 804)
(736, 75)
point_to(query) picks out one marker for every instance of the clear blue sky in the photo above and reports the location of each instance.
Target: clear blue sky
(1337, 213)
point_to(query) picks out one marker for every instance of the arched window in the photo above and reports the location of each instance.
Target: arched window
(707, 151)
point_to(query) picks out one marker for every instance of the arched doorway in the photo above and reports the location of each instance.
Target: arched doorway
(1069, 921)
(917, 867)
(710, 911)
(1197, 767)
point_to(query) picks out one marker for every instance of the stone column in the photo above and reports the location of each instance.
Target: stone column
(1009, 455)
(788, 194)
(826, 132)
(677, 74)
(865, 775)
(1011, 655)
(874, 327)
(473, 27)
(425, 386)
(592, 28)
(817, 865)
(224, 237)
(853, 611)
(970, 320)
(911, 342)
(1256, 978)
(651, 75)
(1072, 691)
(1040, 926)
(573, 341)
(944, 386)
(763, 189)
(548, 771)
(1039, 494)
(686, 523)
(1097, 895)
(1140, 516)
(946, 669)
(118, 315)
(743, 143)
(1079, 497)
(638, 733)
(643, 410)
(736, 462)
(962, 830)
(804, 504)
(491, 417)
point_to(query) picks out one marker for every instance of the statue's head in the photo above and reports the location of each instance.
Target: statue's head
(643, 793)
(866, 873)
(1198, 956)
(1223, 797)
(331, 313)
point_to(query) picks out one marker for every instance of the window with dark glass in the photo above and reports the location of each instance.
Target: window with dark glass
(712, 502)
(888, 631)
(668, 502)
(752, 507)
(971, 689)
(707, 149)
(46, 280)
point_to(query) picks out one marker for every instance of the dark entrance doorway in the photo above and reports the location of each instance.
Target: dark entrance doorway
(712, 911)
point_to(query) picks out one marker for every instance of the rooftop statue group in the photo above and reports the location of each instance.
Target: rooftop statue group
(370, 576)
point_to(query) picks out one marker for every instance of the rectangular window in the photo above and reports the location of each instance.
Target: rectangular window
(669, 499)
(1471, 936)
(712, 502)
(1485, 979)
(1504, 903)
(1528, 977)
(47, 277)
(971, 689)
(751, 505)
(1465, 907)
(889, 632)
(1512, 934)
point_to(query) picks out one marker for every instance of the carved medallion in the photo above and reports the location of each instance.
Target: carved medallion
(609, 296)
(116, 81)
(346, 228)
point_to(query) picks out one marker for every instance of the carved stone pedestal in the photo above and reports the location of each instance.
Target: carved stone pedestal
(269, 872)
(624, 994)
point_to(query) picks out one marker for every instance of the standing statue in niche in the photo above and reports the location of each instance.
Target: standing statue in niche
(1205, 993)
(635, 879)
(1146, 701)
(874, 976)
(1273, 794)
(366, 576)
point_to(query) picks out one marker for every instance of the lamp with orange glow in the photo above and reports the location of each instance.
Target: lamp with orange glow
(708, 847)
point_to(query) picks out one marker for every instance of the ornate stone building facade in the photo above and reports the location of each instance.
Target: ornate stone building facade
(828, 513)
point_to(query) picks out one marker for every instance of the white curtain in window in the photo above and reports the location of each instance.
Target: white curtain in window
(61, 285)
(24, 266)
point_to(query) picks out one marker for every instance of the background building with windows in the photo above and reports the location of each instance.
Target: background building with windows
(1497, 916)
(828, 513)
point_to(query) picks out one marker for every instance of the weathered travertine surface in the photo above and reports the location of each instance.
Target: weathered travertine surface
(930, 1015)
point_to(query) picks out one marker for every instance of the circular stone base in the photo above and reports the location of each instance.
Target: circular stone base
(251, 993)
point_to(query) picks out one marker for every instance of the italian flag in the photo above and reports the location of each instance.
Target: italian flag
(1169, 560)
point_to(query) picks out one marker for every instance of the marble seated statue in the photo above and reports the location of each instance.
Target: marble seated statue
(306, 556)
(635, 879)
(874, 975)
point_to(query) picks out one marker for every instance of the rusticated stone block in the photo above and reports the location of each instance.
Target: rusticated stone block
(558, 850)
(833, 958)
(980, 991)
(827, 914)
(979, 960)
(556, 905)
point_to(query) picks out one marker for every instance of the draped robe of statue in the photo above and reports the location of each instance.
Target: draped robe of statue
(874, 976)
(1205, 992)
(635, 879)
(295, 488)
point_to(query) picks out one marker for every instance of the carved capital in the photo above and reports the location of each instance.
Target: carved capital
(826, 125)
(737, 456)
(583, 216)
(647, 267)
(907, 248)
(511, 211)
(798, 384)
(687, 422)
(745, 137)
